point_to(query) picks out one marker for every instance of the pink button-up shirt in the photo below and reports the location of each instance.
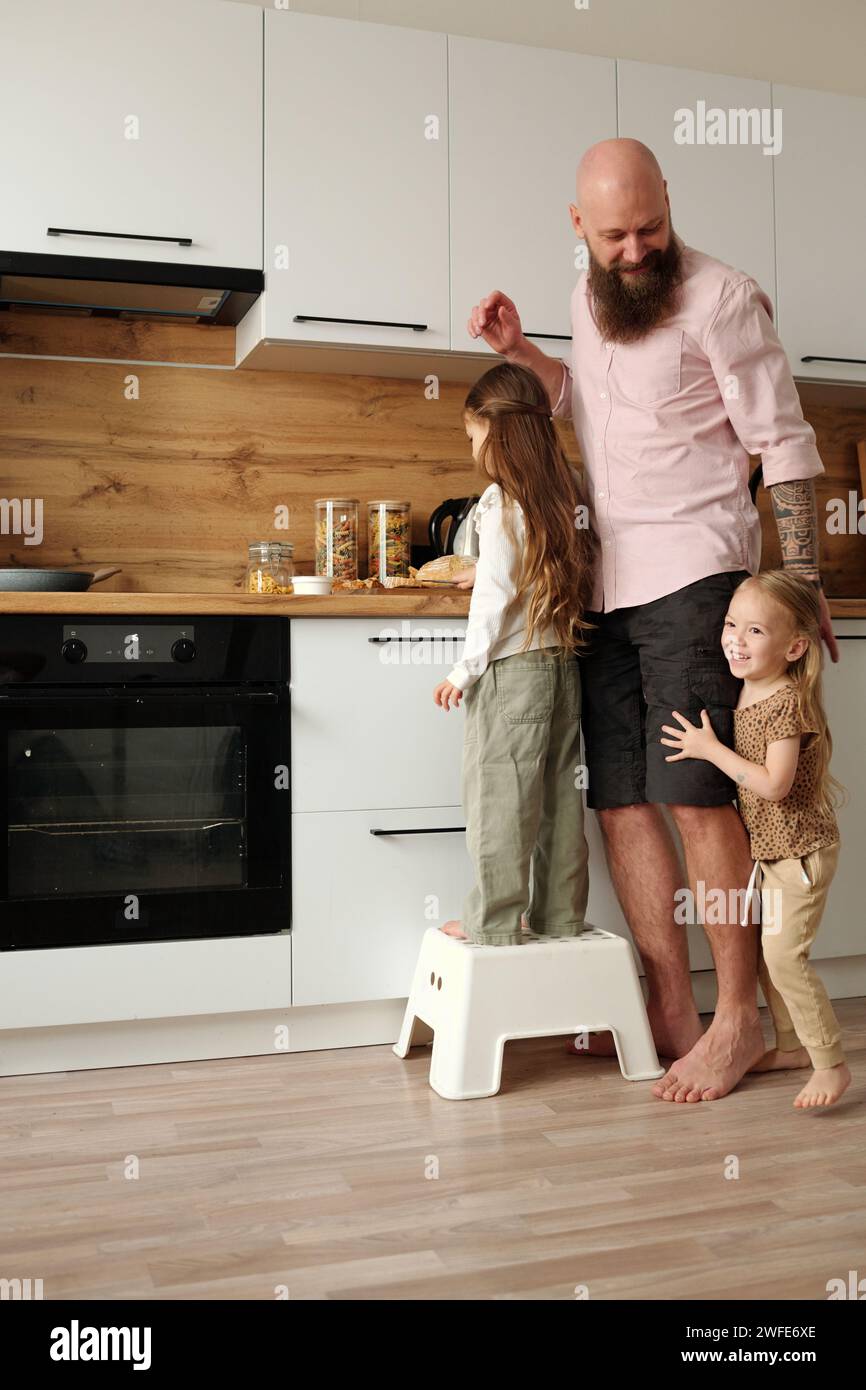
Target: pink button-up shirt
(666, 426)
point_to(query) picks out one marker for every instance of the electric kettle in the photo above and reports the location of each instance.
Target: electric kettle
(462, 538)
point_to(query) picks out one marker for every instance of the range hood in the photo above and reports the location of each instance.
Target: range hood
(126, 289)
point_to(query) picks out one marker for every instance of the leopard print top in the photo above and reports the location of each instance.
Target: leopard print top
(795, 825)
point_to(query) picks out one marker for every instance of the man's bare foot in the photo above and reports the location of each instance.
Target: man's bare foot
(453, 928)
(729, 1048)
(672, 1037)
(824, 1087)
(774, 1060)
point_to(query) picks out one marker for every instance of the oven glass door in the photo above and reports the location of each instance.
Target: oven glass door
(135, 816)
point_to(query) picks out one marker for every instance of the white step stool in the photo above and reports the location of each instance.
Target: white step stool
(471, 999)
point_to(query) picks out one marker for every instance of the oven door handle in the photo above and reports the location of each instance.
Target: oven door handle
(93, 694)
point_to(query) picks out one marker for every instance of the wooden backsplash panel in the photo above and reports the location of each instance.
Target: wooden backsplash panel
(842, 557)
(173, 485)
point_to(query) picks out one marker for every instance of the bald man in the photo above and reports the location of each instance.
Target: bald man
(676, 377)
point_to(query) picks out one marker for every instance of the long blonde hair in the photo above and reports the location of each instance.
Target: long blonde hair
(799, 599)
(523, 454)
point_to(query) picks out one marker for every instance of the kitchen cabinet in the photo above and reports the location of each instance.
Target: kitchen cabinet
(362, 902)
(520, 120)
(820, 214)
(356, 183)
(841, 932)
(721, 194)
(365, 730)
(143, 121)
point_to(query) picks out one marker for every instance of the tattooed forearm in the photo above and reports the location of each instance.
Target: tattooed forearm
(796, 514)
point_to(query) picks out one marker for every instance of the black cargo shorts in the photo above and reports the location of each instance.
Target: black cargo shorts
(643, 663)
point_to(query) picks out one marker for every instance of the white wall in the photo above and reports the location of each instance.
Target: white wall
(809, 43)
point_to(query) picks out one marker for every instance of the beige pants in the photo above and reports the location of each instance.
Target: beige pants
(801, 1011)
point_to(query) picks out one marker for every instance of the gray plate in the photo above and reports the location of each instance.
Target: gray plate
(42, 581)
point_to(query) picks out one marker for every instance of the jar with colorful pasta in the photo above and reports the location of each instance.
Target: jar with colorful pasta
(337, 537)
(389, 538)
(270, 567)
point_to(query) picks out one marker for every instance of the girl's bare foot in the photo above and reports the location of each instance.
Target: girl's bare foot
(774, 1060)
(824, 1087)
(454, 928)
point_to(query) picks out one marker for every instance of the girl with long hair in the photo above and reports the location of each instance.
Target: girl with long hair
(518, 676)
(787, 798)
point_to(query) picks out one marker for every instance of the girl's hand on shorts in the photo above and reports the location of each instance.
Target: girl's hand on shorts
(447, 694)
(693, 742)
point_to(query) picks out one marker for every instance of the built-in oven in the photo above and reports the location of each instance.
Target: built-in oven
(144, 778)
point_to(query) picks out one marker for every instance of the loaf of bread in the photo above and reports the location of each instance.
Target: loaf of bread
(443, 567)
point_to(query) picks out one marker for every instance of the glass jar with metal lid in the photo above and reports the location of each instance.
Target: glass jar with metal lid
(337, 537)
(270, 567)
(389, 538)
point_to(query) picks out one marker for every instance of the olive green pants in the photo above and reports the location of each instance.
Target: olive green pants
(521, 793)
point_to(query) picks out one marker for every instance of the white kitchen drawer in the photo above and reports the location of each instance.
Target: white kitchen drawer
(361, 903)
(841, 932)
(365, 730)
(143, 980)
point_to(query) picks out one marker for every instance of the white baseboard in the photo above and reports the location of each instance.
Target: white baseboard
(142, 1042)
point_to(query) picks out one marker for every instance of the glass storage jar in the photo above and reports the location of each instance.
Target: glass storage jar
(270, 567)
(337, 537)
(389, 538)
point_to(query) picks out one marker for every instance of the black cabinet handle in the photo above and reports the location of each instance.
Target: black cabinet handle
(367, 323)
(453, 637)
(857, 361)
(123, 236)
(560, 337)
(433, 830)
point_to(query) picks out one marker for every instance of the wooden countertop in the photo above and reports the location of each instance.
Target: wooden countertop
(397, 603)
(394, 603)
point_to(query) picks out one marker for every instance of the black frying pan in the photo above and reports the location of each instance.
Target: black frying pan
(29, 580)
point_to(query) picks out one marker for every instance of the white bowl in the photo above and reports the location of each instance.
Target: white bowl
(312, 583)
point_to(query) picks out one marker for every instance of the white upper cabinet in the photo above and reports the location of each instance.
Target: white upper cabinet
(520, 120)
(140, 120)
(721, 193)
(820, 225)
(356, 183)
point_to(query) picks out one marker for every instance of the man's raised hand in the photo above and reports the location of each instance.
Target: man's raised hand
(497, 321)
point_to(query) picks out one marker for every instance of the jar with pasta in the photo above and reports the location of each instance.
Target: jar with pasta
(337, 537)
(269, 567)
(389, 539)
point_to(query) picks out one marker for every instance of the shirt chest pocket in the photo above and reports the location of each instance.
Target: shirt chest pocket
(649, 371)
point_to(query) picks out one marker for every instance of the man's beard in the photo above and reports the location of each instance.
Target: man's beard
(627, 309)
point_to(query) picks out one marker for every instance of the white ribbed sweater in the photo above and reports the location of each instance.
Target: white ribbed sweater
(497, 617)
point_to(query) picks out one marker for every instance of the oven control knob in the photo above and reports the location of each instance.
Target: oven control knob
(74, 651)
(183, 650)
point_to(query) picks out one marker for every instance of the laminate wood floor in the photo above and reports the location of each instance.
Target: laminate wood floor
(341, 1175)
